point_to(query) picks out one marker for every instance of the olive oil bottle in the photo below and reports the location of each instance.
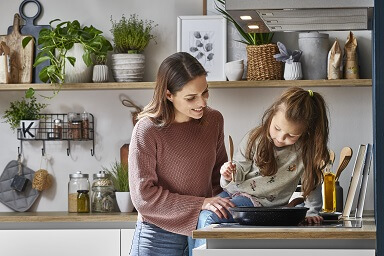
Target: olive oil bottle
(329, 192)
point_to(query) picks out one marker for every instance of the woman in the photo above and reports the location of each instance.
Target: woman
(176, 151)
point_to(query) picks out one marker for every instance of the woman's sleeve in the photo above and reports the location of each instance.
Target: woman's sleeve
(170, 211)
(221, 158)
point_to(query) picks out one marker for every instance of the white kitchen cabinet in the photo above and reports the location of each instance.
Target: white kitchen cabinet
(286, 252)
(126, 241)
(66, 242)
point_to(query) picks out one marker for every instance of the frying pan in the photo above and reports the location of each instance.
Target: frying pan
(269, 216)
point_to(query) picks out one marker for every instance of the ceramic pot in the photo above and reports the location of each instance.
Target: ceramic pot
(292, 71)
(79, 73)
(124, 201)
(100, 74)
(128, 67)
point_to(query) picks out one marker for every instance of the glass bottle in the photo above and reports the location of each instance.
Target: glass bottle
(57, 128)
(329, 192)
(102, 193)
(77, 181)
(82, 201)
(85, 125)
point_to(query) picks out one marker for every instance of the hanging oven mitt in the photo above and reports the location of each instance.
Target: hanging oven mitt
(19, 182)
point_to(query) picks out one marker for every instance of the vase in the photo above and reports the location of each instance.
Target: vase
(292, 71)
(128, 67)
(261, 64)
(29, 129)
(100, 74)
(79, 73)
(124, 201)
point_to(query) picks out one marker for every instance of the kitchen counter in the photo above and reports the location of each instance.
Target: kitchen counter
(65, 220)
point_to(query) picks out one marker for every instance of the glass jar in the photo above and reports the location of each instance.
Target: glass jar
(57, 128)
(102, 193)
(77, 181)
(74, 126)
(85, 125)
(82, 201)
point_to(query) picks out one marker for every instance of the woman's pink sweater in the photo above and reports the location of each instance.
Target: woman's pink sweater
(173, 169)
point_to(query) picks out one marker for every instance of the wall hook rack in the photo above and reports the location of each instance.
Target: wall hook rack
(61, 127)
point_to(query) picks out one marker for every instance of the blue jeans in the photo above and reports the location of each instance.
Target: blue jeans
(150, 240)
(207, 218)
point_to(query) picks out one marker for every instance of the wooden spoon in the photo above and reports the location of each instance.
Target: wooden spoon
(345, 157)
(331, 156)
(231, 155)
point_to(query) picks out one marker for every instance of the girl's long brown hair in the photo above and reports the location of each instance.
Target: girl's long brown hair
(309, 109)
(174, 72)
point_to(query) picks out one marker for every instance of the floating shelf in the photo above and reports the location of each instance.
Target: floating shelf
(213, 84)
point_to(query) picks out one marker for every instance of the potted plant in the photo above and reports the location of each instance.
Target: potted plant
(292, 70)
(260, 50)
(24, 114)
(69, 48)
(130, 36)
(100, 70)
(119, 176)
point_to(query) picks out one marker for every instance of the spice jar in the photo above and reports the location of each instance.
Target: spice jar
(74, 126)
(57, 128)
(82, 201)
(85, 125)
(77, 181)
(102, 193)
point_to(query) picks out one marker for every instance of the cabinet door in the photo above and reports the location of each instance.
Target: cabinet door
(126, 241)
(282, 252)
(66, 242)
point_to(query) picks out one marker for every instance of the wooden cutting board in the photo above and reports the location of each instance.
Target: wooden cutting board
(29, 28)
(21, 59)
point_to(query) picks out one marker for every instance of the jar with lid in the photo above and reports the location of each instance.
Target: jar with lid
(85, 125)
(57, 128)
(102, 193)
(74, 126)
(77, 181)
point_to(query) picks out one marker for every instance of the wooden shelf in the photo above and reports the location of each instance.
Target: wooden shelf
(213, 84)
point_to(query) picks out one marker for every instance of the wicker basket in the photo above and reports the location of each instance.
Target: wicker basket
(261, 63)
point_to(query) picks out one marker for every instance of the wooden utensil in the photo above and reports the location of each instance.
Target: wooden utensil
(21, 59)
(231, 155)
(345, 157)
(331, 156)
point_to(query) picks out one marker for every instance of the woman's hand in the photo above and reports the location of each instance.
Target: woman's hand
(218, 205)
(314, 219)
(227, 169)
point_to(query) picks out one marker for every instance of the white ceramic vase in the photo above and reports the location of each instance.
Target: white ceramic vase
(100, 74)
(124, 201)
(29, 129)
(79, 73)
(128, 67)
(292, 71)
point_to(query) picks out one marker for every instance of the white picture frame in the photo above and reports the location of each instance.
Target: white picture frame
(205, 38)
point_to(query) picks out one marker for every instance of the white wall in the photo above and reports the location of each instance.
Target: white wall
(350, 108)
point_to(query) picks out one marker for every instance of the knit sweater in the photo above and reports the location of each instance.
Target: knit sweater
(275, 190)
(173, 169)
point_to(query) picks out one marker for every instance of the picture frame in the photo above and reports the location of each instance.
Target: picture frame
(205, 38)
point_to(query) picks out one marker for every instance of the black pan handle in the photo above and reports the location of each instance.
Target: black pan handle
(30, 20)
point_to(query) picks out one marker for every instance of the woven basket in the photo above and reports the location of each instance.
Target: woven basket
(261, 63)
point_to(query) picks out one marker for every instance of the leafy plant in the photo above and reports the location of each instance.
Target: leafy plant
(25, 109)
(132, 35)
(248, 38)
(119, 176)
(54, 44)
(287, 55)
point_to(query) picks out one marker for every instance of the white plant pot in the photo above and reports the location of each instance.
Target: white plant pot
(100, 74)
(124, 201)
(29, 129)
(292, 71)
(128, 67)
(79, 73)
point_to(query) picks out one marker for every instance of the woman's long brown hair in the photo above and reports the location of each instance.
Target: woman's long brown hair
(309, 109)
(174, 72)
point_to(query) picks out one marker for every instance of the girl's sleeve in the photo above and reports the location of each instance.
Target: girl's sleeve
(314, 202)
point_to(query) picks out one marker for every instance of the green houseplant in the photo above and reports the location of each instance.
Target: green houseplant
(55, 42)
(261, 64)
(130, 36)
(24, 114)
(119, 176)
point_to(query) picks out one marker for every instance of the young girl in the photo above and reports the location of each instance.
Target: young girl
(175, 155)
(289, 145)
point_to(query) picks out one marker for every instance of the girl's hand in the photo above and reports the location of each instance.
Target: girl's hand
(227, 169)
(314, 219)
(218, 205)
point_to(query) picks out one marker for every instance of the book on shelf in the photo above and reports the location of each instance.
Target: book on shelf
(364, 182)
(356, 173)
